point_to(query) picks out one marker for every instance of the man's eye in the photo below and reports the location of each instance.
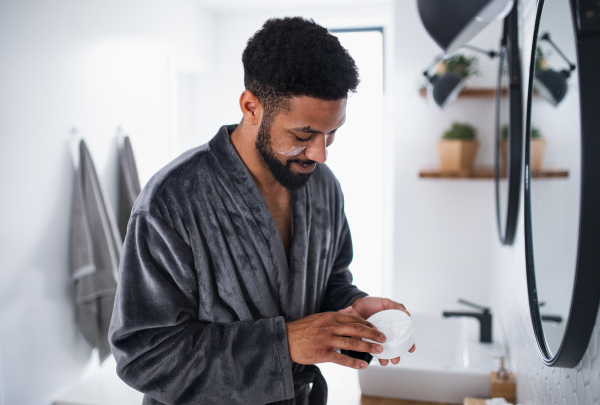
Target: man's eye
(329, 138)
(302, 139)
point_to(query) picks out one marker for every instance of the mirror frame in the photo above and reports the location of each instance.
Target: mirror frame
(509, 49)
(586, 287)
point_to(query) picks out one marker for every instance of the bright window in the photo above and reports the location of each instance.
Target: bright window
(356, 158)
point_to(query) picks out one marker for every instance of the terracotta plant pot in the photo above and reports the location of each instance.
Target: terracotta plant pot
(536, 153)
(457, 156)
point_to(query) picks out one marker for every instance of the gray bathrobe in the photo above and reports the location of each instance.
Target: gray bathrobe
(205, 287)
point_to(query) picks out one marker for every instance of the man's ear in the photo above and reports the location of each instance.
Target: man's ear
(251, 108)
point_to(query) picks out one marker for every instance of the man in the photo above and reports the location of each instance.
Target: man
(234, 280)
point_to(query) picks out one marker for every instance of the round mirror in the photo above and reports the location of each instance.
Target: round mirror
(561, 246)
(509, 131)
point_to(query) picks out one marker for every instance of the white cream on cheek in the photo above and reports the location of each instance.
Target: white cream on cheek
(296, 150)
(293, 151)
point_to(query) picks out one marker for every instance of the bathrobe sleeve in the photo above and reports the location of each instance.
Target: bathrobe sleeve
(164, 350)
(340, 291)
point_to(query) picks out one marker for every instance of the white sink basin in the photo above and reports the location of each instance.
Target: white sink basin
(449, 364)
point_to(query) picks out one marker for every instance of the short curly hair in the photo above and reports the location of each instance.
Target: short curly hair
(294, 56)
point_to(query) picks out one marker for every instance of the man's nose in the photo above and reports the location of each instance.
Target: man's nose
(317, 150)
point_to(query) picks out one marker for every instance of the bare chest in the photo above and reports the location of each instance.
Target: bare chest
(281, 211)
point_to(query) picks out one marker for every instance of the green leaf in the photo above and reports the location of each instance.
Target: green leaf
(463, 132)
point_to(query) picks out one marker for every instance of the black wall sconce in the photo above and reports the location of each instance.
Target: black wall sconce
(453, 23)
(550, 84)
(444, 89)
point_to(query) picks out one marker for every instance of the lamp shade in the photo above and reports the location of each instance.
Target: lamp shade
(453, 23)
(552, 85)
(444, 89)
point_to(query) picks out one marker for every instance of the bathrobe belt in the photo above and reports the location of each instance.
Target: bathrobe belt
(312, 374)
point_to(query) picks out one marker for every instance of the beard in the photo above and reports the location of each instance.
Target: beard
(281, 172)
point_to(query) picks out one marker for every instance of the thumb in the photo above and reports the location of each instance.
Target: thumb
(346, 311)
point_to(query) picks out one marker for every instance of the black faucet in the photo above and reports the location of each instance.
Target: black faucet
(550, 318)
(484, 317)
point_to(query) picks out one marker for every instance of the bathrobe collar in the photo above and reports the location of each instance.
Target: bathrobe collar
(291, 280)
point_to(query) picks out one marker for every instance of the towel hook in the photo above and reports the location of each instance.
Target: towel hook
(74, 146)
(120, 136)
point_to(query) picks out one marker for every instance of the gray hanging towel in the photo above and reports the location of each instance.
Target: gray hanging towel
(129, 184)
(95, 253)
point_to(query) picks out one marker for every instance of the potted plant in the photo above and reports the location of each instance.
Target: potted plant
(541, 60)
(537, 148)
(503, 146)
(450, 75)
(460, 64)
(457, 149)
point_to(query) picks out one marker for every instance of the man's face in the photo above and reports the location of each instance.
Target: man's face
(297, 139)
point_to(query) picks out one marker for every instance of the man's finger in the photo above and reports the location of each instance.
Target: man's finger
(346, 361)
(412, 349)
(396, 305)
(389, 304)
(383, 362)
(344, 318)
(357, 345)
(396, 360)
(358, 330)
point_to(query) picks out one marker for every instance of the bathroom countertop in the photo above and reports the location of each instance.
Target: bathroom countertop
(387, 401)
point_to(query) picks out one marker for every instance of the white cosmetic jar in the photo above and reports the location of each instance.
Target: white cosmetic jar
(399, 332)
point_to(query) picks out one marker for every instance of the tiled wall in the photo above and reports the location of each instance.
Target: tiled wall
(536, 383)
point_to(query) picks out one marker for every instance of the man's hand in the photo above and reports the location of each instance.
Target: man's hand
(316, 338)
(367, 306)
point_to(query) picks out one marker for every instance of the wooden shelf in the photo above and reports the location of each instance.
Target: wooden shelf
(487, 173)
(550, 173)
(365, 400)
(475, 92)
(471, 92)
(477, 173)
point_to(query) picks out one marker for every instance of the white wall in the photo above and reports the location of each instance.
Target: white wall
(93, 65)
